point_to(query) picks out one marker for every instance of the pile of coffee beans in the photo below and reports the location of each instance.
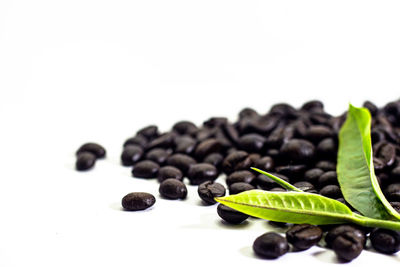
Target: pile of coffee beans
(299, 145)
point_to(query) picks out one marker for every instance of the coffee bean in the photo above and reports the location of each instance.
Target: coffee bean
(201, 172)
(270, 245)
(339, 230)
(265, 163)
(331, 191)
(85, 161)
(395, 174)
(145, 169)
(396, 206)
(238, 160)
(266, 183)
(138, 201)
(277, 189)
(313, 175)
(185, 127)
(173, 189)
(327, 149)
(326, 165)
(131, 154)
(184, 144)
(230, 215)
(313, 105)
(328, 178)
(214, 159)
(251, 143)
(241, 176)
(240, 187)
(169, 172)
(347, 246)
(215, 122)
(137, 140)
(385, 152)
(316, 133)
(373, 109)
(247, 112)
(385, 241)
(230, 133)
(207, 147)
(304, 236)
(163, 141)
(181, 161)
(298, 151)
(93, 148)
(149, 132)
(158, 155)
(304, 186)
(210, 190)
(295, 172)
(392, 192)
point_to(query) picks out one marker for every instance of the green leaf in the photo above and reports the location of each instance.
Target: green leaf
(355, 168)
(278, 180)
(291, 207)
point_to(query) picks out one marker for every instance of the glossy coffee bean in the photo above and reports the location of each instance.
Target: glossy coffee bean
(339, 230)
(93, 148)
(230, 215)
(201, 172)
(385, 241)
(266, 183)
(138, 201)
(215, 122)
(169, 172)
(173, 189)
(241, 177)
(209, 190)
(392, 192)
(265, 163)
(184, 144)
(158, 155)
(145, 169)
(347, 246)
(331, 191)
(298, 151)
(214, 159)
(181, 161)
(185, 127)
(316, 133)
(386, 152)
(235, 161)
(328, 178)
(313, 175)
(270, 245)
(163, 141)
(240, 187)
(131, 154)
(313, 105)
(304, 236)
(137, 140)
(327, 149)
(252, 143)
(85, 161)
(149, 132)
(326, 165)
(206, 147)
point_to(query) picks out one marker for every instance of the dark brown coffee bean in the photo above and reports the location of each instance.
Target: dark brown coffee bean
(209, 190)
(331, 191)
(270, 245)
(230, 133)
(316, 133)
(93, 148)
(257, 124)
(247, 112)
(138, 201)
(230, 215)
(173, 189)
(169, 172)
(215, 122)
(85, 161)
(145, 169)
(252, 143)
(149, 132)
(392, 192)
(313, 105)
(328, 178)
(313, 175)
(373, 109)
(338, 230)
(163, 141)
(214, 159)
(131, 154)
(327, 149)
(240, 187)
(266, 183)
(377, 135)
(158, 155)
(385, 241)
(298, 151)
(201, 172)
(326, 165)
(304, 236)
(305, 186)
(274, 153)
(184, 144)
(185, 127)
(181, 161)
(295, 172)
(347, 246)
(238, 160)
(207, 147)
(137, 140)
(395, 174)
(265, 163)
(241, 176)
(385, 152)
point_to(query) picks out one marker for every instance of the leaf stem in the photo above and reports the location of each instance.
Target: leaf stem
(278, 180)
(370, 222)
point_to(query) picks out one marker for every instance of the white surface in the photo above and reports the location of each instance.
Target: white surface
(77, 71)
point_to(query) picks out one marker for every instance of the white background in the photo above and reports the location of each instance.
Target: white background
(78, 71)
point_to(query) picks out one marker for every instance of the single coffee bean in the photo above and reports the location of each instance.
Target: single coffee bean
(85, 161)
(158, 155)
(266, 183)
(131, 154)
(181, 161)
(265, 163)
(339, 230)
(149, 132)
(295, 172)
(214, 159)
(235, 161)
(373, 109)
(247, 112)
(331, 191)
(240, 187)
(163, 141)
(185, 127)
(201, 172)
(173, 189)
(93, 148)
(145, 169)
(138, 201)
(215, 122)
(230, 215)
(386, 152)
(327, 149)
(392, 192)
(316, 133)
(270, 245)
(298, 151)
(207, 147)
(313, 175)
(210, 190)
(326, 165)
(328, 178)
(305, 186)
(184, 144)
(230, 133)
(241, 176)
(252, 143)
(304, 236)
(347, 246)
(385, 241)
(313, 105)
(169, 172)
(137, 140)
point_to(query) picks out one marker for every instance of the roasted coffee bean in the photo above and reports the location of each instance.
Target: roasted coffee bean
(238, 160)
(339, 230)
(266, 183)
(163, 141)
(184, 144)
(316, 133)
(313, 175)
(377, 135)
(209, 190)
(373, 109)
(254, 157)
(326, 165)
(313, 105)
(304, 236)
(395, 174)
(131, 154)
(158, 155)
(252, 143)
(137, 140)
(207, 147)
(93, 148)
(385, 241)
(386, 152)
(327, 149)
(240, 176)
(240, 187)
(274, 153)
(396, 206)
(284, 110)
(270, 245)
(247, 112)
(328, 178)
(347, 246)
(214, 159)
(85, 161)
(265, 163)
(138, 201)
(215, 122)
(181, 161)
(295, 172)
(230, 215)
(173, 189)
(392, 192)
(331, 191)
(230, 133)
(257, 124)
(305, 186)
(185, 127)
(201, 172)
(298, 151)
(150, 132)
(145, 169)
(169, 172)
